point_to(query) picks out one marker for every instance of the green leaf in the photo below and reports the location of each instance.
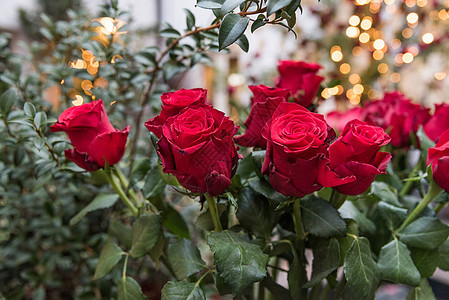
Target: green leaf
(276, 289)
(443, 261)
(422, 292)
(229, 5)
(321, 219)
(297, 276)
(190, 19)
(154, 185)
(110, 256)
(425, 260)
(425, 232)
(254, 213)
(264, 188)
(259, 22)
(326, 259)
(121, 232)
(275, 5)
(40, 118)
(29, 109)
(158, 250)
(425, 142)
(129, 289)
(7, 100)
(100, 202)
(238, 262)
(350, 211)
(361, 271)
(182, 290)
(174, 221)
(139, 170)
(243, 42)
(185, 258)
(385, 193)
(231, 28)
(144, 234)
(391, 215)
(171, 68)
(210, 4)
(396, 265)
(170, 33)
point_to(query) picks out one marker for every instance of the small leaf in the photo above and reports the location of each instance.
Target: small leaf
(425, 260)
(275, 5)
(229, 5)
(185, 258)
(238, 262)
(121, 232)
(385, 193)
(190, 19)
(243, 42)
(144, 234)
(443, 261)
(391, 215)
(426, 233)
(182, 290)
(425, 142)
(321, 219)
(422, 292)
(39, 119)
(129, 289)
(264, 188)
(396, 265)
(231, 28)
(158, 250)
(259, 22)
(7, 100)
(100, 202)
(154, 185)
(29, 109)
(350, 211)
(139, 170)
(361, 271)
(174, 221)
(326, 259)
(170, 33)
(110, 256)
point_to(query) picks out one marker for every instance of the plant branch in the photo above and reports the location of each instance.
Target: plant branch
(53, 155)
(118, 189)
(297, 219)
(213, 210)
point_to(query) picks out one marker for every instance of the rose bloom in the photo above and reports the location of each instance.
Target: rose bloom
(263, 104)
(301, 79)
(297, 142)
(356, 153)
(439, 158)
(197, 147)
(93, 138)
(338, 120)
(172, 104)
(438, 123)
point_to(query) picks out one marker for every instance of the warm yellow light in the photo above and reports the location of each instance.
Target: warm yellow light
(355, 100)
(382, 68)
(325, 94)
(421, 3)
(395, 43)
(358, 88)
(374, 7)
(378, 54)
(379, 44)
(115, 57)
(412, 17)
(364, 37)
(78, 64)
(113, 102)
(91, 70)
(427, 38)
(333, 90)
(407, 57)
(407, 33)
(79, 100)
(108, 25)
(372, 94)
(352, 32)
(354, 78)
(410, 3)
(87, 55)
(413, 50)
(62, 81)
(440, 75)
(337, 56)
(86, 85)
(335, 48)
(398, 59)
(350, 94)
(345, 68)
(354, 20)
(357, 50)
(442, 14)
(340, 89)
(362, 2)
(389, 2)
(395, 77)
(366, 24)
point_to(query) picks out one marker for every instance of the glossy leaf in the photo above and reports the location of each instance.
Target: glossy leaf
(7, 100)
(229, 5)
(243, 42)
(425, 260)
(385, 193)
(210, 4)
(182, 290)
(185, 258)
(425, 232)
(349, 211)
(144, 234)
(129, 289)
(326, 259)
(422, 292)
(264, 188)
(154, 184)
(110, 256)
(231, 28)
(190, 19)
(443, 261)
(100, 202)
(275, 5)
(29, 110)
(321, 219)
(392, 216)
(175, 222)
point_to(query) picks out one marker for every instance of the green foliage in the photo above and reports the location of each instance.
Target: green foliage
(185, 258)
(129, 289)
(145, 233)
(425, 232)
(327, 253)
(231, 29)
(182, 291)
(109, 257)
(100, 201)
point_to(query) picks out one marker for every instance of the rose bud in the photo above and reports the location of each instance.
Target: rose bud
(172, 104)
(439, 158)
(197, 147)
(263, 104)
(93, 138)
(297, 142)
(438, 123)
(301, 79)
(356, 153)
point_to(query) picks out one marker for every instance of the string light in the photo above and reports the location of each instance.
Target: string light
(358, 88)
(379, 44)
(354, 20)
(366, 23)
(78, 100)
(345, 68)
(364, 37)
(412, 18)
(395, 77)
(352, 32)
(382, 68)
(421, 3)
(357, 50)
(378, 55)
(407, 33)
(440, 75)
(427, 38)
(354, 78)
(336, 54)
(407, 57)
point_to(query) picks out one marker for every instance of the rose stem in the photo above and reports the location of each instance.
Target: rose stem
(297, 219)
(337, 199)
(118, 189)
(214, 212)
(125, 183)
(408, 185)
(439, 207)
(434, 190)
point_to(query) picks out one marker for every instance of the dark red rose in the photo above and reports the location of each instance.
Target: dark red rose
(197, 146)
(438, 123)
(338, 120)
(439, 158)
(93, 138)
(263, 104)
(172, 104)
(297, 142)
(301, 79)
(356, 153)
(398, 116)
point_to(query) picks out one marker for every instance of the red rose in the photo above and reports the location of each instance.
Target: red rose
(93, 138)
(438, 123)
(338, 120)
(263, 104)
(197, 146)
(301, 79)
(439, 158)
(356, 153)
(297, 142)
(172, 104)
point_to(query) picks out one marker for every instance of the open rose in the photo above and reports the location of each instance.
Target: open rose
(172, 104)
(263, 104)
(438, 123)
(356, 153)
(301, 79)
(439, 158)
(338, 120)
(93, 138)
(197, 146)
(297, 142)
